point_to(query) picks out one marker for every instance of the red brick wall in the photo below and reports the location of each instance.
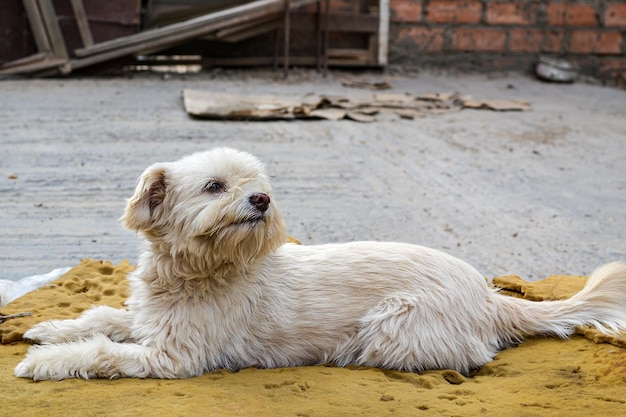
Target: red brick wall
(509, 34)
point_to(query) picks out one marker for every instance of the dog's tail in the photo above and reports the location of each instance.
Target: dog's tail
(601, 303)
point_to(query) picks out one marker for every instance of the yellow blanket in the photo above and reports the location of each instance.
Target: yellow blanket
(543, 377)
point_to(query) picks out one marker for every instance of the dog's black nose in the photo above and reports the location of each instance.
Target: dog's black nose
(260, 200)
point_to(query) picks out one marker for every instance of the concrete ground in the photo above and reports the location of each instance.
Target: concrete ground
(532, 193)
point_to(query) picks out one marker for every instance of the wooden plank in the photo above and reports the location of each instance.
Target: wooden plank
(145, 47)
(321, 54)
(37, 26)
(82, 22)
(38, 57)
(191, 28)
(53, 29)
(286, 36)
(34, 63)
(293, 60)
(383, 32)
(239, 33)
(337, 22)
(348, 53)
(128, 45)
(325, 37)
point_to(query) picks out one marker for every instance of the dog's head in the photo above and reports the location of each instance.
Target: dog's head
(211, 208)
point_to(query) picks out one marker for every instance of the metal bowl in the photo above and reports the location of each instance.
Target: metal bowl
(554, 69)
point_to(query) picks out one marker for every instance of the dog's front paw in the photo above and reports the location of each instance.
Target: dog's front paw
(47, 362)
(29, 368)
(47, 332)
(96, 357)
(25, 369)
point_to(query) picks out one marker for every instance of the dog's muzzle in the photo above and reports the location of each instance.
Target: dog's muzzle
(260, 201)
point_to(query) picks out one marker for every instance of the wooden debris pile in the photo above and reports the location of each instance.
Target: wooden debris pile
(363, 32)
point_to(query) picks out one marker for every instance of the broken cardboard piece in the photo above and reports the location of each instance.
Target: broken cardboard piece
(368, 85)
(360, 117)
(497, 105)
(436, 96)
(229, 106)
(410, 113)
(329, 114)
(220, 105)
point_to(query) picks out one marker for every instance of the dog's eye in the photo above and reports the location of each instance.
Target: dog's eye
(214, 187)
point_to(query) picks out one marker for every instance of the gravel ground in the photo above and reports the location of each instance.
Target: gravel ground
(529, 193)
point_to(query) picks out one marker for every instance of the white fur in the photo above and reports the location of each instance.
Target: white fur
(218, 287)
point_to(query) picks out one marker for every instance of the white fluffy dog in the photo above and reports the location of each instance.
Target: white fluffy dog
(218, 287)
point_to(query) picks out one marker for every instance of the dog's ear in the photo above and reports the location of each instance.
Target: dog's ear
(149, 195)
